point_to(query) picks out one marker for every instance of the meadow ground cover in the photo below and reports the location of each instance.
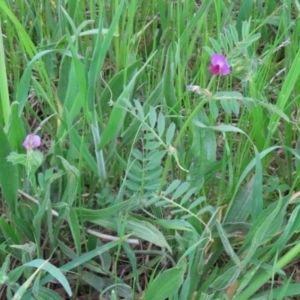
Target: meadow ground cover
(149, 149)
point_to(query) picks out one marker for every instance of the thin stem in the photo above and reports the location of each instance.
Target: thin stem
(4, 97)
(180, 135)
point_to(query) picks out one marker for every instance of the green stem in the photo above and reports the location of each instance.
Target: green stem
(4, 96)
(180, 135)
(117, 38)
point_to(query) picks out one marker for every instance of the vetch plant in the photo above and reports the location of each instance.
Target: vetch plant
(219, 64)
(32, 160)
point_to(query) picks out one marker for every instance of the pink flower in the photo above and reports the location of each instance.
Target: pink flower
(219, 64)
(32, 141)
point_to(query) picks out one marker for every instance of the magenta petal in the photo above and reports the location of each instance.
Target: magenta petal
(219, 65)
(225, 70)
(217, 59)
(215, 69)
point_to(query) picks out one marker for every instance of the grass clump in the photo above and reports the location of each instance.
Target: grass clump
(168, 166)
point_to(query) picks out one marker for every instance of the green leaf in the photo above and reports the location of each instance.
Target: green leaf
(43, 293)
(152, 145)
(203, 149)
(78, 261)
(226, 244)
(181, 190)
(234, 106)
(174, 185)
(161, 123)
(216, 45)
(77, 85)
(245, 11)
(64, 80)
(97, 214)
(292, 226)
(54, 271)
(227, 95)
(251, 165)
(23, 88)
(152, 117)
(188, 196)
(196, 202)
(168, 83)
(226, 106)
(70, 192)
(214, 109)
(227, 278)
(76, 141)
(289, 84)
(175, 224)
(4, 94)
(133, 185)
(15, 274)
(165, 285)
(263, 229)
(41, 264)
(24, 37)
(8, 174)
(99, 54)
(197, 18)
(153, 175)
(241, 205)
(155, 98)
(119, 110)
(24, 227)
(170, 133)
(16, 129)
(288, 290)
(75, 229)
(115, 120)
(9, 232)
(140, 109)
(147, 232)
(257, 197)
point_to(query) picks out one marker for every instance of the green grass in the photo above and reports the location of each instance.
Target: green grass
(144, 188)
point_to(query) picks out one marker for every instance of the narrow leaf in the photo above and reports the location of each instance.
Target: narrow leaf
(165, 285)
(8, 174)
(54, 271)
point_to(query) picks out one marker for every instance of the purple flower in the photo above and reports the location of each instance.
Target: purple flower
(32, 141)
(219, 64)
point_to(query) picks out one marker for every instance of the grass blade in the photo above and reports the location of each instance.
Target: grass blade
(8, 174)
